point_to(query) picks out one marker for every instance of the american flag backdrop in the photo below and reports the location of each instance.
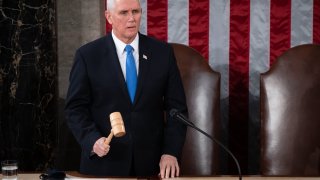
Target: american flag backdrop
(240, 39)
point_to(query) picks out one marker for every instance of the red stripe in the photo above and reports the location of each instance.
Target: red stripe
(316, 21)
(157, 16)
(108, 26)
(239, 81)
(280, 28)
(199, 26)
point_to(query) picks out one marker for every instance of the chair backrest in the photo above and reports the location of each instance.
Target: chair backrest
(202, 88)
(290, 114)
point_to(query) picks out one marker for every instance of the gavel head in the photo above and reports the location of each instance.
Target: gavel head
(117, 124)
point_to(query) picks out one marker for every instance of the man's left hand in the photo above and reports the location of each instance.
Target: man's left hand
(169, 166)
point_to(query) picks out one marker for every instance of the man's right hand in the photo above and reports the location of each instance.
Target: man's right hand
(100, 148)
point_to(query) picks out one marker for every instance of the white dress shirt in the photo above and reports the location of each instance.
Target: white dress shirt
(122, 54)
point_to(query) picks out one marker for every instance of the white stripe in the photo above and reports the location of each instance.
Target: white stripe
(258, 63)
(301, 22)
(259, 43)
(219, 41)
(219, 28)
(178, 21)
(143, 23)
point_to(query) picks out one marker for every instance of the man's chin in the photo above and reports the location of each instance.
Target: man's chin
(132, 34)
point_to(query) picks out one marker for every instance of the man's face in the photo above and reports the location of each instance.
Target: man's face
(125, 19)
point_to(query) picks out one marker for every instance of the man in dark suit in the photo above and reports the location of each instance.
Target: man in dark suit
(99, 86)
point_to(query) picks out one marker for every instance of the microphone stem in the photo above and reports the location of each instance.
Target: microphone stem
(226, 149)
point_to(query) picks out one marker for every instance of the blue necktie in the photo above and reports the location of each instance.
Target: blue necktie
(131, 72)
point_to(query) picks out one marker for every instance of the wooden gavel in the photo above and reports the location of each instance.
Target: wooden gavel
(117, 127)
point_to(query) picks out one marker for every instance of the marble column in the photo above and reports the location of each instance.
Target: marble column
(79, 21)
(38, 39)
(28, 82)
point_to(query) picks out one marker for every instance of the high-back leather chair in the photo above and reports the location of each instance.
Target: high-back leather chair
(202, 88)
(290, 114)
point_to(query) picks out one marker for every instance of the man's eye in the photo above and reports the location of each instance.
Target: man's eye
(135, 12)
(123, 12)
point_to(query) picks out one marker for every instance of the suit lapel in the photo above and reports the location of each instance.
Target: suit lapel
(114, 60)
(144, 62)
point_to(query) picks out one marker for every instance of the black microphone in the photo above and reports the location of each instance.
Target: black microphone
(174, 113)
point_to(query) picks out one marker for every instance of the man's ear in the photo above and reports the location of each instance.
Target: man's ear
(108, 16)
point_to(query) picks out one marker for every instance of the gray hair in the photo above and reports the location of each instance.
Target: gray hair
(110, 4)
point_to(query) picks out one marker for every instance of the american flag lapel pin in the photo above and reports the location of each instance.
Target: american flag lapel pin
(145, 57)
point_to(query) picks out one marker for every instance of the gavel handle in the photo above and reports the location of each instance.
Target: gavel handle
(108, 139)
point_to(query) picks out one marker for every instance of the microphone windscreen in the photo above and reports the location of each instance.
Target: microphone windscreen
(173, 112)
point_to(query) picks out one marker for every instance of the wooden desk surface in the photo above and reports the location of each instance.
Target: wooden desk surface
(35, 176)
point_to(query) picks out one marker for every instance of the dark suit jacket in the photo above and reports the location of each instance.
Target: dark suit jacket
(97, 88)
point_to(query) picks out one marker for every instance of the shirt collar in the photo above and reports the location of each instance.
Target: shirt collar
(121, 45)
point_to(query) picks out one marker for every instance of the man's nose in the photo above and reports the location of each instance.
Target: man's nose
(131, 16)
